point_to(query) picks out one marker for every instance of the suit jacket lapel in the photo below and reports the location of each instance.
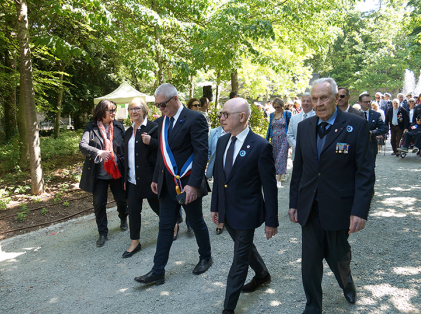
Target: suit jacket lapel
(247, 147)
(337, 128)
(221, 150)
(177, 125)
(312, 131)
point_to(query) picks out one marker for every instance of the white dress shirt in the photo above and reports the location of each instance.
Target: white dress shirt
(411, 115)
(131, 154)
(395, 116)
(368, 114)
(238, 144)
(177, 115)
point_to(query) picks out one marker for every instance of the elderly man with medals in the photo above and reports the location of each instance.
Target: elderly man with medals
(179, 178)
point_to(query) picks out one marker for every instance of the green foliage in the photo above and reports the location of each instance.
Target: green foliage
(257, 122)
(57, 198)
(4, 202)
(66, 204)
(44, 211)
(21, 216)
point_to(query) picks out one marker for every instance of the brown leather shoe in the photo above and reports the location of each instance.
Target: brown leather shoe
(256, 283)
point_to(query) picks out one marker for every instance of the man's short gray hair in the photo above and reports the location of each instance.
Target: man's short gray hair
(166, 90)
(332, 82)
(401, 94)
(305, 94)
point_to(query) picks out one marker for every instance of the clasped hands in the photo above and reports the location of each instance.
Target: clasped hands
(269, 231)
(191, 192)
(356, 223)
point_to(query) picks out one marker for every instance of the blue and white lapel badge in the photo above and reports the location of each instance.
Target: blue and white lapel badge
(242, 153)
(349, 128)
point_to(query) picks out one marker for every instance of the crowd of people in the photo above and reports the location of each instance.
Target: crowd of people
(170, 161)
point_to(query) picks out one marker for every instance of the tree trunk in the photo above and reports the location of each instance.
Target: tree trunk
(135, 81)
(27, 89)
(10, 96)
(191, 86)
(234, 81)
(23, 131)
(59, 101)
(158, 59)
(218, 76)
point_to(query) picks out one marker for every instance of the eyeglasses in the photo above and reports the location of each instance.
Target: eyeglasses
(164, 104)
(378, 97)
(342, 96)
(276, 107)
(366, 102)
(226, 114)
(135, 109)
(111, 111)
(196, 105)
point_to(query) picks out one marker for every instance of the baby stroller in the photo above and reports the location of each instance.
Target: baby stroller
(411, 147)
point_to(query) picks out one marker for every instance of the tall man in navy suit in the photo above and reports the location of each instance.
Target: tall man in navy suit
(180, 167)
(376, 124)
(331, 187)
(244, 164)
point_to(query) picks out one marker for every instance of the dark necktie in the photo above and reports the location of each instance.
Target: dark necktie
(365, 113)
(229, 157)
(170, 126)
(322, 129)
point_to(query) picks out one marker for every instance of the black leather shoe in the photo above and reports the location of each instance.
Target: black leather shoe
(151, 277)
(202, 266)
(176, 235)
(189, 229)
(219, 230)
(227, 312)
(350, 292)
(101, 240)
(256, 283)
(130, 254)
(123, 225)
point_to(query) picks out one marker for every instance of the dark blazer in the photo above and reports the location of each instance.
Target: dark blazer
(189, 136)
(377, 127)
(403, 120)
(343, 182)
(90, 144)
(145, 159)
(417, 112)
(356, 111)
(287, 117)
(239, 197)
(385, 105)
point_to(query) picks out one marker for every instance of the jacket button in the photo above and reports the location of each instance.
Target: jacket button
(136, 142)
(92, 139)
(319, 174)
(137, 166)
(137, 154)
(89, 168)
(225, 185)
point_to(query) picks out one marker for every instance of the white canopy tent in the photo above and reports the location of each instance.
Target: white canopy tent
(124, 94)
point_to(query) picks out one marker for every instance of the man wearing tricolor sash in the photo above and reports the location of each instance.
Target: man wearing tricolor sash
(180, 170)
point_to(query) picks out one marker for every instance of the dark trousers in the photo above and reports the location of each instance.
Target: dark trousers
(168, 211)
(134, 205)
(317, 244)
(100, 201)
(407, 139)
(245, 254)
(395, 138)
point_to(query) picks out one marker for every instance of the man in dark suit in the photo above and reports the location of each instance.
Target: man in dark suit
(376, 124)
(180, 167)
(330, 192)
(244, 165)
(397, 119)
(343, 102)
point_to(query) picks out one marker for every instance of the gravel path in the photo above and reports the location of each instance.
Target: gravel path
(60, 270)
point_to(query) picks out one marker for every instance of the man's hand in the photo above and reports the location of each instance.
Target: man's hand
(292, 213)
(270, 232)
(146, 138)
(154, 187)
(215, 218)
(406, 130)
(356, 224)
(191, 194)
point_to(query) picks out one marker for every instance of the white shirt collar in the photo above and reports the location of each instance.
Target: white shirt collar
(178, 113)
(144, 123)
(242, 136)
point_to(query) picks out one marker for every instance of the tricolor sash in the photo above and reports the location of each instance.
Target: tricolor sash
(169, 160)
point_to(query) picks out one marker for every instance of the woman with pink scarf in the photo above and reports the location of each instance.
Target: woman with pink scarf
(103, 145)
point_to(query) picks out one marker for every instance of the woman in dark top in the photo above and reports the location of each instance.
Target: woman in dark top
(102, 144)
(141, 146)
